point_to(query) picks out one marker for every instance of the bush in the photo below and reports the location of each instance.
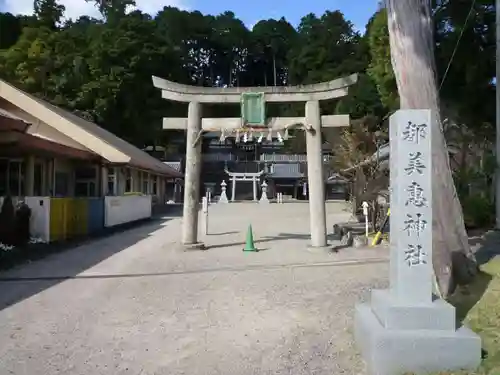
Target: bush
(7, 221)
(23, 217)
(14, 223)
(479, 211)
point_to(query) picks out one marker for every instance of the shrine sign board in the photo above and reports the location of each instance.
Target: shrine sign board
(412, 222)
(253, 109)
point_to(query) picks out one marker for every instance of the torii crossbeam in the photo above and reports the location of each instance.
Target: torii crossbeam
(253, 119)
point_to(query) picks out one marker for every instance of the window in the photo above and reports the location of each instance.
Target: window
(128, 181)
(85, 181)
(38, 180)
(85, 188)
(111, 181)
(145, 183)
(4, 167)
(91, 189)
(155, 185)
(12, 177)
(61, 184)
(85, 173)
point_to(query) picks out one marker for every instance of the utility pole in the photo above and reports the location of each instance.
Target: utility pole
(497, 175)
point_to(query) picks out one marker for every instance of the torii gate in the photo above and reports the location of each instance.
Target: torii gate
(312, 123)
(244, 176)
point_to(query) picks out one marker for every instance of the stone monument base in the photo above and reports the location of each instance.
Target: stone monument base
(394, 338)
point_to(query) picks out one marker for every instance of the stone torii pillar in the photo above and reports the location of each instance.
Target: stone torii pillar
(192, 177)
(233, 188)
(317, 211)
(311, 123)
(254, 183)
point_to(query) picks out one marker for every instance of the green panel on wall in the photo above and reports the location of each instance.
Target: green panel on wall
(253, 109)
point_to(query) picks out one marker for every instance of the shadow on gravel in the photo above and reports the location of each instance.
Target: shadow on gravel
(333, 244)
(58, 262)
(264, 239)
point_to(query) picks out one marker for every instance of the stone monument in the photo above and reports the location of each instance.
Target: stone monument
(263, 197)
(406, 328)
(223, 194)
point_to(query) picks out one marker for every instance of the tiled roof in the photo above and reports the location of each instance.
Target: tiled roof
(94, 138)
(174, 165)
(7, 114)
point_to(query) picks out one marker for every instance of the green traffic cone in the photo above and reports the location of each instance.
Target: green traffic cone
(249, 245)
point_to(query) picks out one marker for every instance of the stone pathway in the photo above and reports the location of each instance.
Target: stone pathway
(133, 303)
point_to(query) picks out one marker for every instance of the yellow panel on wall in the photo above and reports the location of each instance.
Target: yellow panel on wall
(57, 219)
(68, 218)
(79, 217)
(72, 217)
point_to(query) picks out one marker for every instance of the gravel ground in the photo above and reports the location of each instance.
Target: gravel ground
(134, 304)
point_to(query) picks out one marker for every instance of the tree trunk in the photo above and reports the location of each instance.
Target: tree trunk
(412, 55)
(274, 69)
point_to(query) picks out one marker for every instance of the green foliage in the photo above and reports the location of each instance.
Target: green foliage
(10, 30)
(48, 13)
(101, 70)
(479, 211)
(474, 187)
(465, 59)
(326, 48)
(468, 88)
(363, 100)
(271, 42)
(380, 69)
(113, 10)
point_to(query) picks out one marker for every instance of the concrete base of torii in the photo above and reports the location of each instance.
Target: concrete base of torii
(395, 339)
(320, 249)
(194, 246)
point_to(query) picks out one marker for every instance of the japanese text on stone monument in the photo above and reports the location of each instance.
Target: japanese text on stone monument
(414, 133)
(415, 223)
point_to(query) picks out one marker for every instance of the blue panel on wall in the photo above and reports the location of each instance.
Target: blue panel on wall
(96, 215)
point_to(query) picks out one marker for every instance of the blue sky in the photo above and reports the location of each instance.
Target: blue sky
(357, 11)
